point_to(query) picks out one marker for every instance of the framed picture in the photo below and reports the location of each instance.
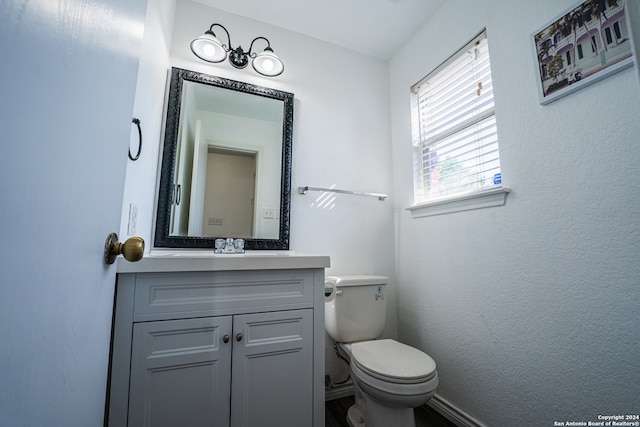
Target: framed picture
(587, 43)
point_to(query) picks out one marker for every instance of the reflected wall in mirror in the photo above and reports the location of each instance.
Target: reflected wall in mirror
(226, 164)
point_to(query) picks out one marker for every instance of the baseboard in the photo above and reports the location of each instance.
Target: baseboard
(437, 403)
(453, 414)
(338, 392)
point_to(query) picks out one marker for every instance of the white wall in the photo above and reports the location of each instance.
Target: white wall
(341, 137)
(148, 108)
(531, 309)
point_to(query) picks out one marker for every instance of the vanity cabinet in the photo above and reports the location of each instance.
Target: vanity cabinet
(218, 348)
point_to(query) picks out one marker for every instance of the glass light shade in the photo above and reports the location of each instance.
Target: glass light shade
(208, 48)
(268, 64)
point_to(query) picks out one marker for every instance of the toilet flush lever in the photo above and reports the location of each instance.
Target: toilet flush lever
(328, 290)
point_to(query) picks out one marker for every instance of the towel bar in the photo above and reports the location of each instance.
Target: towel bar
(380, 196)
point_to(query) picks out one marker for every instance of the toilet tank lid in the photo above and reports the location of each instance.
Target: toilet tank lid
(356, 280)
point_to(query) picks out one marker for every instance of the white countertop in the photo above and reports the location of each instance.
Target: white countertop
(206, 260)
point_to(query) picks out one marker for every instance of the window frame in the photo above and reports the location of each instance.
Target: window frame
(493, 196)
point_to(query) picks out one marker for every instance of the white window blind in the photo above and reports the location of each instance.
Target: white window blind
(454, 128)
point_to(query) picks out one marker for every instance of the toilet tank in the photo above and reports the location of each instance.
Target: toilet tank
(355, 307)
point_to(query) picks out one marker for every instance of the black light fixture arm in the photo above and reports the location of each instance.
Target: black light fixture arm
(253, 54)
(237, 56)
(226, 47)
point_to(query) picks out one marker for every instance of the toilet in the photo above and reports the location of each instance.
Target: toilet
(390, 378)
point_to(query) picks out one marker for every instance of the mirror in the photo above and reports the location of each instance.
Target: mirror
(226, 164)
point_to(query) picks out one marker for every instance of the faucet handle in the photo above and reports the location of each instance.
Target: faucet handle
(219, 246)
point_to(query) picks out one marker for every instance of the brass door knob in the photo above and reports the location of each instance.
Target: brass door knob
(132, 249)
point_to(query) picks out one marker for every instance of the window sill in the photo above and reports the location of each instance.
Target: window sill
(465, 202)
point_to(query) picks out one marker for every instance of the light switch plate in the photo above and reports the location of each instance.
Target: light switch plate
(133, 219)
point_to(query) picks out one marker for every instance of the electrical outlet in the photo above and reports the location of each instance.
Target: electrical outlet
(214, 221)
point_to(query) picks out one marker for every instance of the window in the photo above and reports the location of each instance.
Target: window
(616, 28)
(607, 32)
(454, 129)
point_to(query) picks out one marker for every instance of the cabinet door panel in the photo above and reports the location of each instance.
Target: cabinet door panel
(180, 373)
(273, 369)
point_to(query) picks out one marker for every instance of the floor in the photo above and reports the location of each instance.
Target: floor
(336, 415)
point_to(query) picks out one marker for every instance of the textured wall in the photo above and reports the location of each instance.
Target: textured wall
(531, 309)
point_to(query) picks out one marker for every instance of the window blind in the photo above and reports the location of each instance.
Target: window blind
(454, 126)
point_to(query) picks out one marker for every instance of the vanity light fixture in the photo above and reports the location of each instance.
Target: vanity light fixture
(209, 48)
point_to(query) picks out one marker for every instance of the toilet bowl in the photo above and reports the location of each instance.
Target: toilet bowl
(390, 378)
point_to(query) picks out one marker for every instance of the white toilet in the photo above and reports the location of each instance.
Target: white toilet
(390, 378)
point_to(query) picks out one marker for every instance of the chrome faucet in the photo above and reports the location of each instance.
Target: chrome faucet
(229, 246)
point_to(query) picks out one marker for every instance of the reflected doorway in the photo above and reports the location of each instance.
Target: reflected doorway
(229, 202)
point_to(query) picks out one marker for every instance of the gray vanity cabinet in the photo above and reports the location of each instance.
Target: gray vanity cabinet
(216, 348)
(180, 373)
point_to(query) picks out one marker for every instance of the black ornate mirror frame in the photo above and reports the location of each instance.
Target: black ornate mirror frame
(165, 191)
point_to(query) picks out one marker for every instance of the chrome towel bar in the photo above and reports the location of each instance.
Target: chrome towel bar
(380, 196)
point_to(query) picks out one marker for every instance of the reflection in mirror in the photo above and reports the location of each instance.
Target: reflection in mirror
(229, 164)
(226, 164)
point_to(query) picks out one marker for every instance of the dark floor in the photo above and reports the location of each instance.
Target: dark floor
(335, 413)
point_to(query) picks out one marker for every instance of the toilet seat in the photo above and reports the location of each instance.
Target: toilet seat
(391, 361)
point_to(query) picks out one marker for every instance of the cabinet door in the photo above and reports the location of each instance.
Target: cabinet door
(272, 369)
(180, 373)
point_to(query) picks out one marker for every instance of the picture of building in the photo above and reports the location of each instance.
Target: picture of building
(582, 44)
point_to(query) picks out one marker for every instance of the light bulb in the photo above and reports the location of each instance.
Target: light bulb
(209, 50)
(268, 65)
